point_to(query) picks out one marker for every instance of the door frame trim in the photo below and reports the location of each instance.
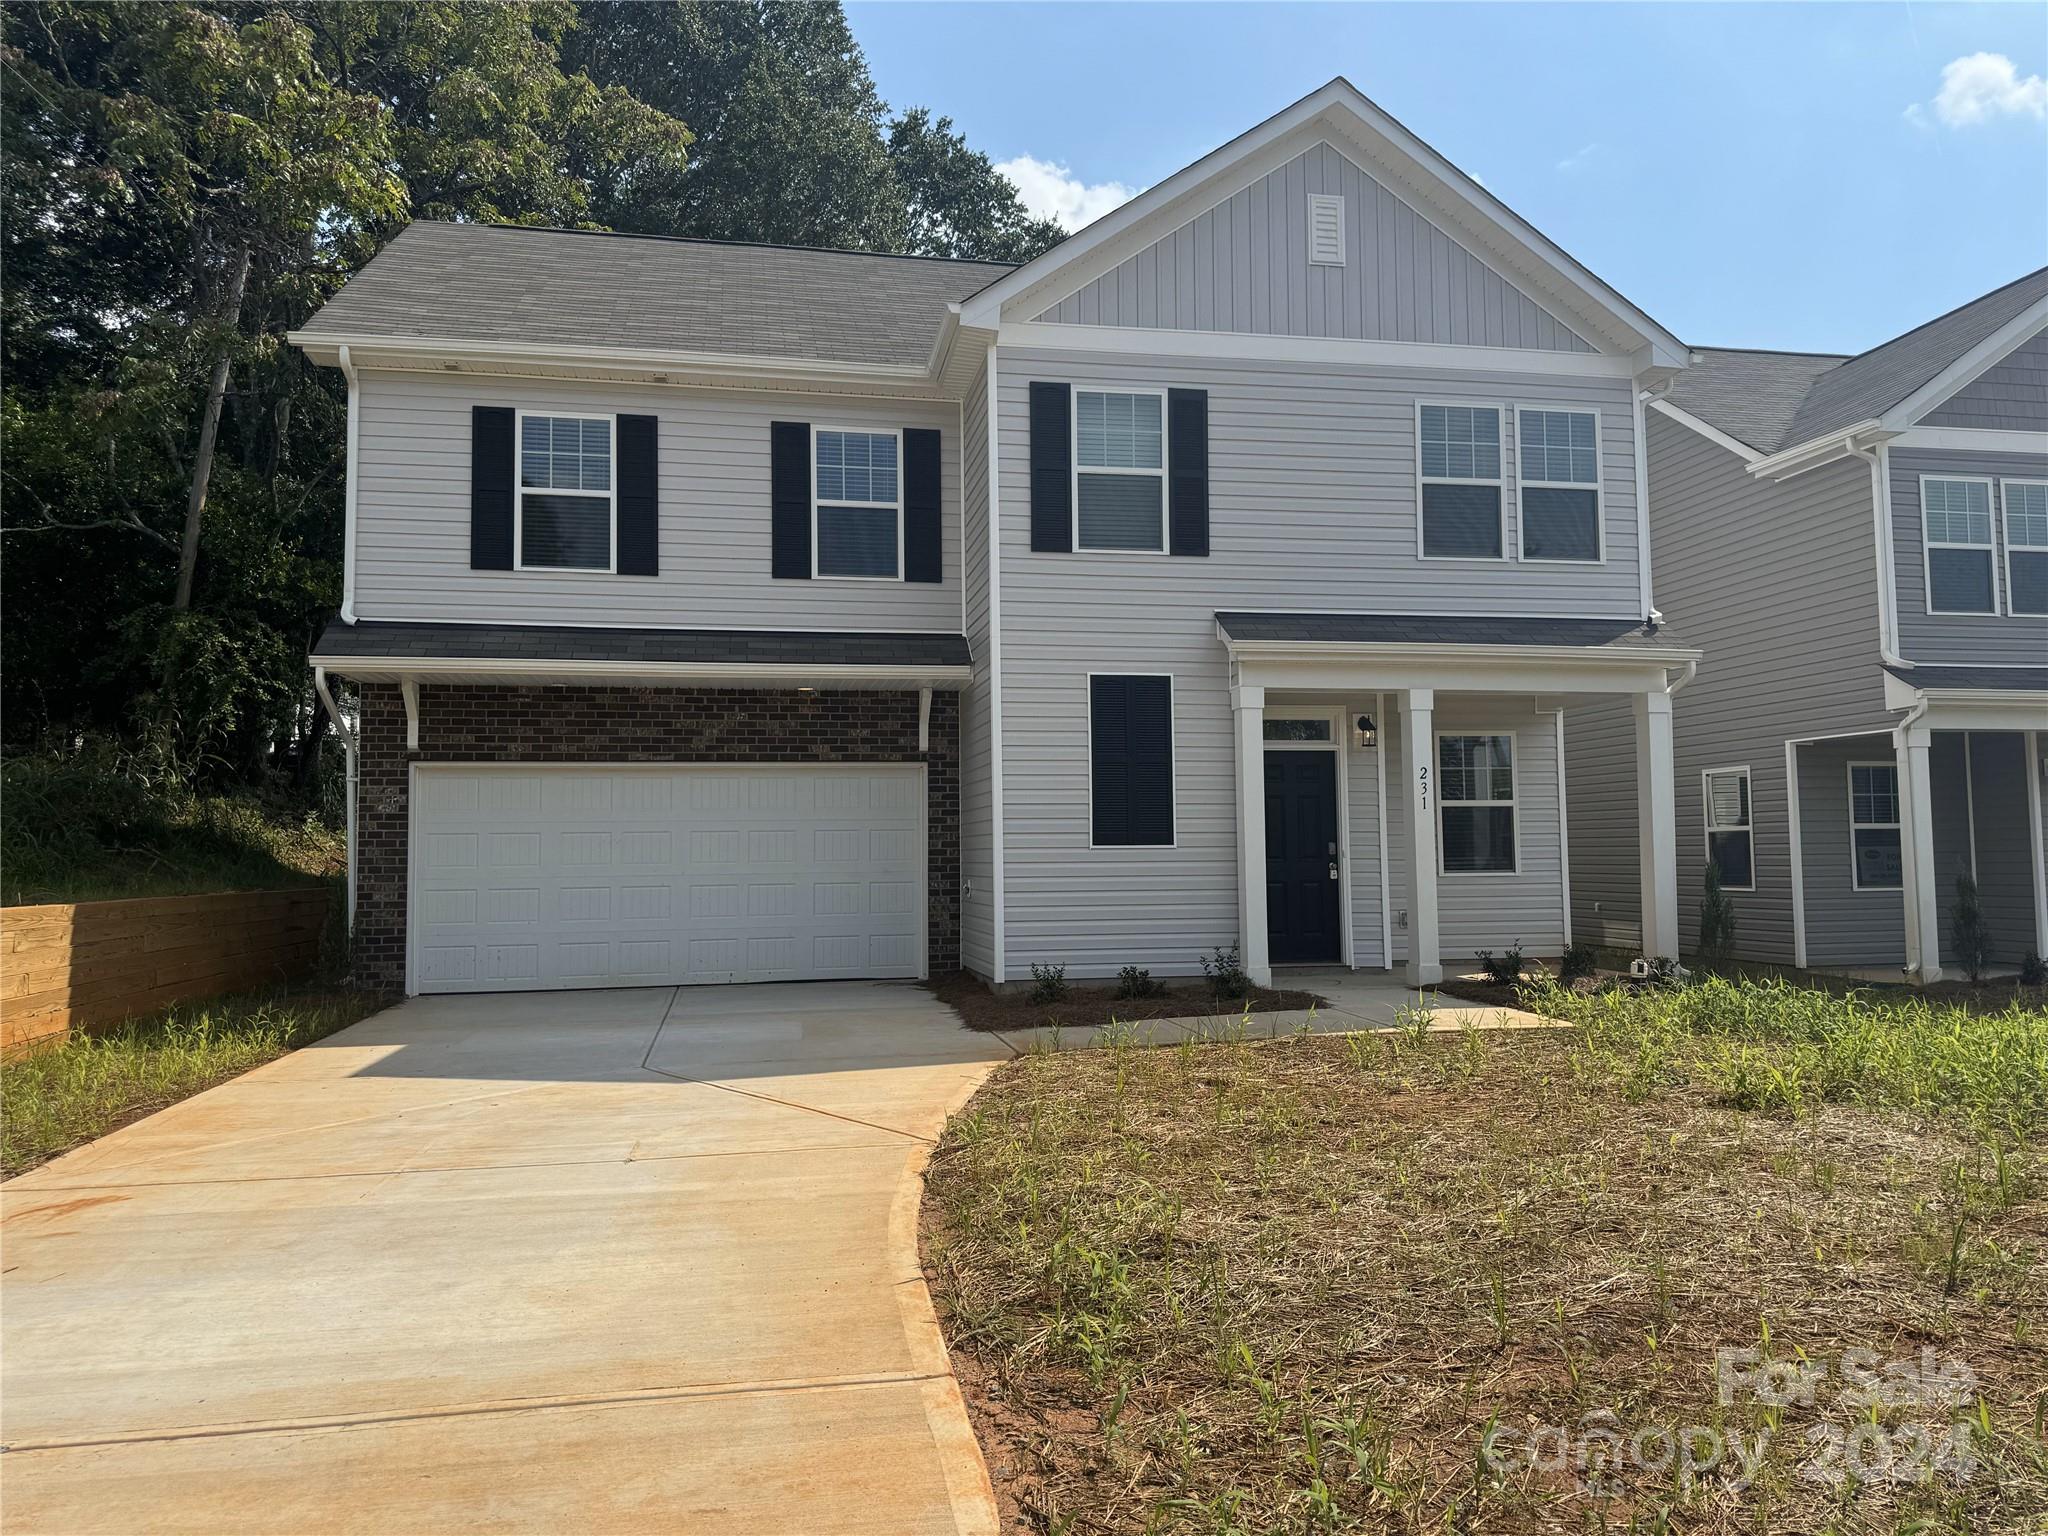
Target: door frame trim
(412, 839)
(1339, 743)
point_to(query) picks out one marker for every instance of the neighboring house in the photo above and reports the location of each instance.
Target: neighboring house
(1860, 545)
(1219, 578)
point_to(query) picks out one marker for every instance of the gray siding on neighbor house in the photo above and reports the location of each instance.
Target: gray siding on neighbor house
(1946, 761)
(1844, 926)
(1777, 584)
(1997, 809)
(1961, 638)
(977, 805)
(413, 513)
(1312, 497)
(2010, 397)
(1243, 266)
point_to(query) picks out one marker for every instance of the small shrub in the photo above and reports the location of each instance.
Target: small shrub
(1226, 973)
(1048, 983)
(1504, 969)
(2033, 972)
(1135, 981)
(1717, 920)
(1966, 929)
(1577, 963)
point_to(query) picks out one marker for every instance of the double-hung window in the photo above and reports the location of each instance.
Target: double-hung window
(1460, 464)
(2026, 546)
(1476, 795)
(1560, 484)
(1120, 471)
(1731, 839)
(858, 504)
(1956, 515)
(1876, 863)
(567, 493)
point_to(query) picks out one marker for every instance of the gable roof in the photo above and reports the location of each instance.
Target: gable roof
(497, 284)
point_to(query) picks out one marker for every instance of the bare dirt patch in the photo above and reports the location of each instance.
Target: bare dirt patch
(1085, 1008)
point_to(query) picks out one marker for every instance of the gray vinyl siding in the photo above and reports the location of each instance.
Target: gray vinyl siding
(1600, 775)
(2012, 396)
(1362, 769)
(1960, 638)
(1777, 584)
(412, 512)
(1312, 506)
(1844, 926)
(1243, 266)
(1997, 808)
(977, 804)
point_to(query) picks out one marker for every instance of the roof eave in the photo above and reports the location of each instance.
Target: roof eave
(651, 673)
(1325, 650)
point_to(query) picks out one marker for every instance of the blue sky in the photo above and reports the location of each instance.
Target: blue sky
(1800, 176)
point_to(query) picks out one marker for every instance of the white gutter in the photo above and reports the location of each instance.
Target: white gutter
(1691, 671)
(1881, 533)
(626, 358)
(1811, 454)
(1323, 650)
(348, 743)
(380, 668)
(348, 498)
(1648, 600)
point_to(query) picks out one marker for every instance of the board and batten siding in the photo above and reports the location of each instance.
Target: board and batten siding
(413, 513)
(977, 802)
(1966, 639)
(1244, 266)
(1312, 507)
(2011, 396)
(1777, 584)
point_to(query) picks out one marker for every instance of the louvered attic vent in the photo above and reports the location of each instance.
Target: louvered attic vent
(1326, 229)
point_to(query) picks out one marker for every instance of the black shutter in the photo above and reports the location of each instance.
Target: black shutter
(1130, 734)
(922, 555)
(639, 497)
(1187, 451)
(789, 499)
(1052, 478)
(490, 488)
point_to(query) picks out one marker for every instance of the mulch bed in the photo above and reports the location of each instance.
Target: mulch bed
(1086, 1008)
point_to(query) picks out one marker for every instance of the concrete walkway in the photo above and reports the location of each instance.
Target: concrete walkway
(580, 1262)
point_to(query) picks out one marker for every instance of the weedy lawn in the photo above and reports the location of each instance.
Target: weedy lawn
(1732, 1258)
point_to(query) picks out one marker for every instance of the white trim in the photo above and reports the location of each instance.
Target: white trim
(1499, 482)
(1708, 828)
(1887, 553)
(1973, 440)
(520, 488)
(1075, 468)
(1899, 825)
(1798, 854)
(1339, 744)
(1243, 346)
(742, 629)
(995, 669)
(1971, 366)
(1444, 802)
(352, 475)
(1639, 444)
(539, 354)
(2004, 532)
(1379, 757)
(1928, 544)
(1598, 486)
(895, 506)
(1798, 459)
(1706, 429)
(409, 691)
(1564, 838)
(1172, 760)
(744, 674)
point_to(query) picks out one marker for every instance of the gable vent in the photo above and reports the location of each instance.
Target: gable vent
(1326, 229)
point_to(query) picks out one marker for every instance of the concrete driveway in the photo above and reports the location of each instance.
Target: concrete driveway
(595, 1261)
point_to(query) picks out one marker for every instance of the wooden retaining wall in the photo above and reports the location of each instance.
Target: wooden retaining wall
(99, 962)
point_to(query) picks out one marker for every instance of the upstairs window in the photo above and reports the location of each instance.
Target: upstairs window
(566, 493)
(1956, 515)
(1876, 863)
(858, 504)
(1731, 847)
(1476, 795)
(2026, 546)
(1560, 486)
(1459, 448)
(1120, 471)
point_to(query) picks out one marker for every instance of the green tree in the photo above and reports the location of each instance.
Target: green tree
(956, 203)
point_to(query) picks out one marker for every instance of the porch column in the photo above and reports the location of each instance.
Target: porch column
(1248, 715)
(1916, 847)
(1418, 761)
(1656, 824)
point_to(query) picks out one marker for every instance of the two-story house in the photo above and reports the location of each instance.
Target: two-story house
(1860, 545)
(1221, 577)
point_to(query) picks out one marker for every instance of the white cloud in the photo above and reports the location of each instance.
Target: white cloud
(1979, 87)
(1052, 191)
(1578, 157)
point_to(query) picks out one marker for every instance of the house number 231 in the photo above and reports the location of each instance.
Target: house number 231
(1422, 775)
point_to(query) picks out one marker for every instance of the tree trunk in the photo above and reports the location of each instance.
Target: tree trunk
(309, 744)
(209, 432)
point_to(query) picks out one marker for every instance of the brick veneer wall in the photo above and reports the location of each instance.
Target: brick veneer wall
(485, 724)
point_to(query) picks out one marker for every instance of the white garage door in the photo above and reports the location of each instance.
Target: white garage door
(528, 878)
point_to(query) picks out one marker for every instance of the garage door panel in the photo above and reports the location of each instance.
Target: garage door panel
(665, 875)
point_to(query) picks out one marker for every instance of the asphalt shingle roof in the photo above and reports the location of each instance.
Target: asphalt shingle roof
(2018, 679)
(1752, 396)
(369, 640)
(494, 283)
(1411, 629)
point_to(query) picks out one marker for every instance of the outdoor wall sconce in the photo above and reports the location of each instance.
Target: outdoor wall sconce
(1368, 733)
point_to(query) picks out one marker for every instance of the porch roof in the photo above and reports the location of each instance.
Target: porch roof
(1997, 679)
(1439, 630)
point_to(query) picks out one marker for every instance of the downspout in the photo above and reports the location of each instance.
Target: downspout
(1647, 598)
(1881, 531)
(348, 512)
(1907, 812)
(348, 743)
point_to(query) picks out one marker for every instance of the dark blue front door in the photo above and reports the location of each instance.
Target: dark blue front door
(1301, 857)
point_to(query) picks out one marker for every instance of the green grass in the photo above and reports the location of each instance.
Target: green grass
(60, 1098)
(1302, 1285)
